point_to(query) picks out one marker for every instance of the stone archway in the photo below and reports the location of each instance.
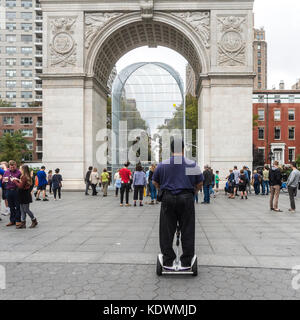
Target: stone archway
(83, 41)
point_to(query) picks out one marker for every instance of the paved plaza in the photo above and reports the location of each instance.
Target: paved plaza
(90, 248)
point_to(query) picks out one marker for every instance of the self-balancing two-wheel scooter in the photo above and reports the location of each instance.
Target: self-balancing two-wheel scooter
(176, 268)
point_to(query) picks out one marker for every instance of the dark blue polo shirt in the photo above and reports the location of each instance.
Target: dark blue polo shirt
(177, 174)
(1, 174)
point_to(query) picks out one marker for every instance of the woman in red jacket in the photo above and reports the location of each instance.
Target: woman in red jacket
(25, 187)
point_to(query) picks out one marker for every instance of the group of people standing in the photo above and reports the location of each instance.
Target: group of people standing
(16, 188)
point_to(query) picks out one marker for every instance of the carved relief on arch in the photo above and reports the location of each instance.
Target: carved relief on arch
(95, 22)
(199, 21)
(231, 41)
(63, 48)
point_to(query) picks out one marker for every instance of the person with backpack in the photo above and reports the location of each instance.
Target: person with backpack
(292, 184)
(231, 183)
(139, 183)
(57, 184)
(24, 185)
(243, 185)
(104, 179)
(256, 180)
(87, 180)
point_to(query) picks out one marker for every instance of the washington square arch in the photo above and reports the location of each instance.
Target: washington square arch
(83, 40)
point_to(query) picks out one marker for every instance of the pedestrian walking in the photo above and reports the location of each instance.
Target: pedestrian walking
(125, 175)
(153, 190)
(117, 180)
(207, 179)
(212, 185)
(231, 184)
(104, 179)
(25, 187)
(94, 180)
(275, 178)
(12, 193)
(139, 183)
(265, 181)
(292, 184)
(87, 180)
(217, 181)
(49, 178)
(236, 173)
(178, 179)
(42, 184)
(57, 184)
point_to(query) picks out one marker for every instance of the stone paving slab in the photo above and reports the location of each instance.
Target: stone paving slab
(68, 281)
(232, 233)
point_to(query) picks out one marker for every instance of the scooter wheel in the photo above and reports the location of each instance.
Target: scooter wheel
(158, 268)
(195, 268)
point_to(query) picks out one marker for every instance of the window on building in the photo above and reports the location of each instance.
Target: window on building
(291, 154)
(259, 69)
(291, 98)
(8, 120)
(29, 145)
(8, 131)
(277, 134)
(26, 3)
(26, 94)
(291, 115)
(26, 26)
(11, 26)
(291, 133)
(261, 98)
(259, 62)
(26, 84)
(26, 62)
(26, 50)
(26, 120)
(261, 115)
(261, 152)
(27, 132)
(26, 73)
(11, 84)
(11, 94)
(11, 50)
(277, 115)
(277, 97)
(261, 133)
(11, 73)
(259, 54)
(10, 15)
(258, 46)
(259, 85)
(24, 104)
(11, 62)
(11, 38)
(26, 15)
(10, 3)
(259, 77)
(26, 37)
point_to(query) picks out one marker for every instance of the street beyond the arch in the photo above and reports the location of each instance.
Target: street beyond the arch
(90, 248)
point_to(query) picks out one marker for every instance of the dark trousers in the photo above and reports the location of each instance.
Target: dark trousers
(138, 192)
(177, 209)
(257, 187)
(292, 194)
(55, 191)
(87, 185)
(94, 189)
(125, 187)
(14, 205)
(117, 191)
(50, 186)
(206, 194)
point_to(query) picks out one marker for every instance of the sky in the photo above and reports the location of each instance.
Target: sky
(281, 20)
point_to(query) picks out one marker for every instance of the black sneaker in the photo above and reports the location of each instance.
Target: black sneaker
(38, 199)
(45, 199)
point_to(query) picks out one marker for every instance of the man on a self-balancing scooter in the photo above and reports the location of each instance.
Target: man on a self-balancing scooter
(177, 179)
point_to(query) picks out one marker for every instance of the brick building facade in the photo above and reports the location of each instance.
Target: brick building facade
(278, 129)
(29, 121)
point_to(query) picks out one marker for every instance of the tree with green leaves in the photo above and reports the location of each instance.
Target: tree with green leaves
(298, 161)
(255, 120)
(13, 147)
